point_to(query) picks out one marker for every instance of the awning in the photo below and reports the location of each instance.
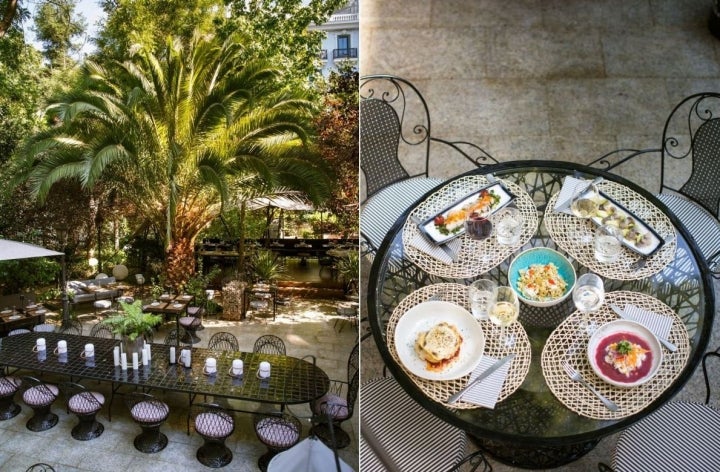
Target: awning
(10, 250)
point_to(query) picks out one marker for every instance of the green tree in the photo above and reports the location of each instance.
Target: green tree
(172, 132)
(56, 27)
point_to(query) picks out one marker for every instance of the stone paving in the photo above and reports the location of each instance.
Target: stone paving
(307, 326)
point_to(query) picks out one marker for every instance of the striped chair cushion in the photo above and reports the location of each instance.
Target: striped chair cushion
(678, 436)
(149, 412)
(214, 425)
(8, 385)
(39, 395)
(18, 331)
(278, 434)
(703, 227)
(83, 402)
(380, 211)
(334, 405)
(410, 436)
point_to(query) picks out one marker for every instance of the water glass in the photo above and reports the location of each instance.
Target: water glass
(608, 243)
(588, 296)
(480, 294)
(508, 226)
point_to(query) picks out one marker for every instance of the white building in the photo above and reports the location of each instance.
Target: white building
(342, 37)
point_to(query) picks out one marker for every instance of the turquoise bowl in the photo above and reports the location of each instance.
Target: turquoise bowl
(541, 255)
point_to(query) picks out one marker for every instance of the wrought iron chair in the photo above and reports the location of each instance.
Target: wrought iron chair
(689, 169)
(215, 425)
(269, 344)
(679, 435)
(17, 331)
(101, 330)
(224, 341)
(150, 413)
(40, 467)
(71, 327)
(395, 150)
(277, 432)
(8, 386)
(85, 404)
(40, 396)
(171, 338)
(190, 324)
(337, 405)
(399, 434)
(44, 328)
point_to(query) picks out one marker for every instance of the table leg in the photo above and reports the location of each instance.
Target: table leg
(533, 457)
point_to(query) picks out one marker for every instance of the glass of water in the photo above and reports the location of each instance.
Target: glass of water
(504, 311)
(608, 243)
(508, 226)
(588, 296)
(480, 294)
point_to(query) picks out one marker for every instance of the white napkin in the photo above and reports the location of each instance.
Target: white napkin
(487, 391)
(569, 187)
(659, 324)
(421, 243)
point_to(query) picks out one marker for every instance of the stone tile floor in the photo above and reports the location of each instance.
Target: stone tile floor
(545, 79)
(307, 326)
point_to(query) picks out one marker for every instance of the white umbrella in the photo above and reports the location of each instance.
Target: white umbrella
(309, 455)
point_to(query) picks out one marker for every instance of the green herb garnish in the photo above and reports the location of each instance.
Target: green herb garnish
(624, 347)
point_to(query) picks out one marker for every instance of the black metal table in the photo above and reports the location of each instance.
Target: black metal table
(531, 428)
(292, 380)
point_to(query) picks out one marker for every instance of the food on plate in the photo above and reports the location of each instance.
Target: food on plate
(439, 345)
(609, 214)
(454, 220)
(624, 357)
(541, 282)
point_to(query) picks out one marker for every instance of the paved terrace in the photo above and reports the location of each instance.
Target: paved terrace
(306, 326)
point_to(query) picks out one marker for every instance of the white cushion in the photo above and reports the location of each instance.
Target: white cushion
(8, 385)
(214, 425)
(277, 434)
(82, 403)
(334, 405)
(102, 304)
(38, 396)
(148, 412)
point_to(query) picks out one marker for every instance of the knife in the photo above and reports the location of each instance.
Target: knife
(566, 204)
(456, 396)
(453, 255)
(670, 346)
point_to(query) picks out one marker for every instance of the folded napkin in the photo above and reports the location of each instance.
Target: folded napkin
(421, 243)
(569, 187)
(659, 324)
(487, 391)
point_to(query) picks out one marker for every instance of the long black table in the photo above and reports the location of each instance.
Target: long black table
(292, 380)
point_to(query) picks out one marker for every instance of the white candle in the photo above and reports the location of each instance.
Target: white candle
(144, 357)
(149, 352)
(172, 354)
(116, 356)
(135, 360)
(123, 361)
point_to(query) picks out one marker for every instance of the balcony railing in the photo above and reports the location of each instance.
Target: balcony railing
(344, 53)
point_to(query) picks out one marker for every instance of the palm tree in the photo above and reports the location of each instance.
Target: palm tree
(173, 132)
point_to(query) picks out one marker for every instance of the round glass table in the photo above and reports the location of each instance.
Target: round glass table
(541, 418)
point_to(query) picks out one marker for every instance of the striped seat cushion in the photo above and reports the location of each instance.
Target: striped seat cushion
(332, 404)
(381, 211)
(703, 227)
(39, 395)
(83, 402)
(214, 425)
(678, 436)
(8, 385)
(410, 436)
(276, 433)
(149, 412)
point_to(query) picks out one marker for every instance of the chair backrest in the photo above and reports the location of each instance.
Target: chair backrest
(269, 344)
(225, 341)
(43, 393)
(692, 132)
(71, 327)
(101, 330)
(171, 338)
(393, 115)
(353, 362)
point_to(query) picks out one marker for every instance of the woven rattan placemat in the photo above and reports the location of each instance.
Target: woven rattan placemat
(475, 257)
(567, 231)
(567, 342)
(441, 390)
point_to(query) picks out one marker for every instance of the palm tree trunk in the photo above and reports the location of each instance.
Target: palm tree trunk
(180, 260)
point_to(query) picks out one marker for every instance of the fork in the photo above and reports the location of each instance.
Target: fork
(577, 377)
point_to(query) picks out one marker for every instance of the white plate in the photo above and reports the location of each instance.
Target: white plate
(625, 326)
(424, 316)
(15, 317)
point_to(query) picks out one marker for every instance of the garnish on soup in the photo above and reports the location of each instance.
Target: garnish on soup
(625, 356)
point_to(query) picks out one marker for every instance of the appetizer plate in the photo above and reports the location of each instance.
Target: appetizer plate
(541, 255)
(424, 316)
(634, 332)
(441, 234)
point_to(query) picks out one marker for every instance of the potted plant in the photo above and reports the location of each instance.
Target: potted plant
(131, 324)
(349, 271)
(267, 267)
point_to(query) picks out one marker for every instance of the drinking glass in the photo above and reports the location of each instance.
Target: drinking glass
(608, 243)
(480, 294)
(478, 225)
(508, 226)
(588, 296)
(584, 204)
(504, 311)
